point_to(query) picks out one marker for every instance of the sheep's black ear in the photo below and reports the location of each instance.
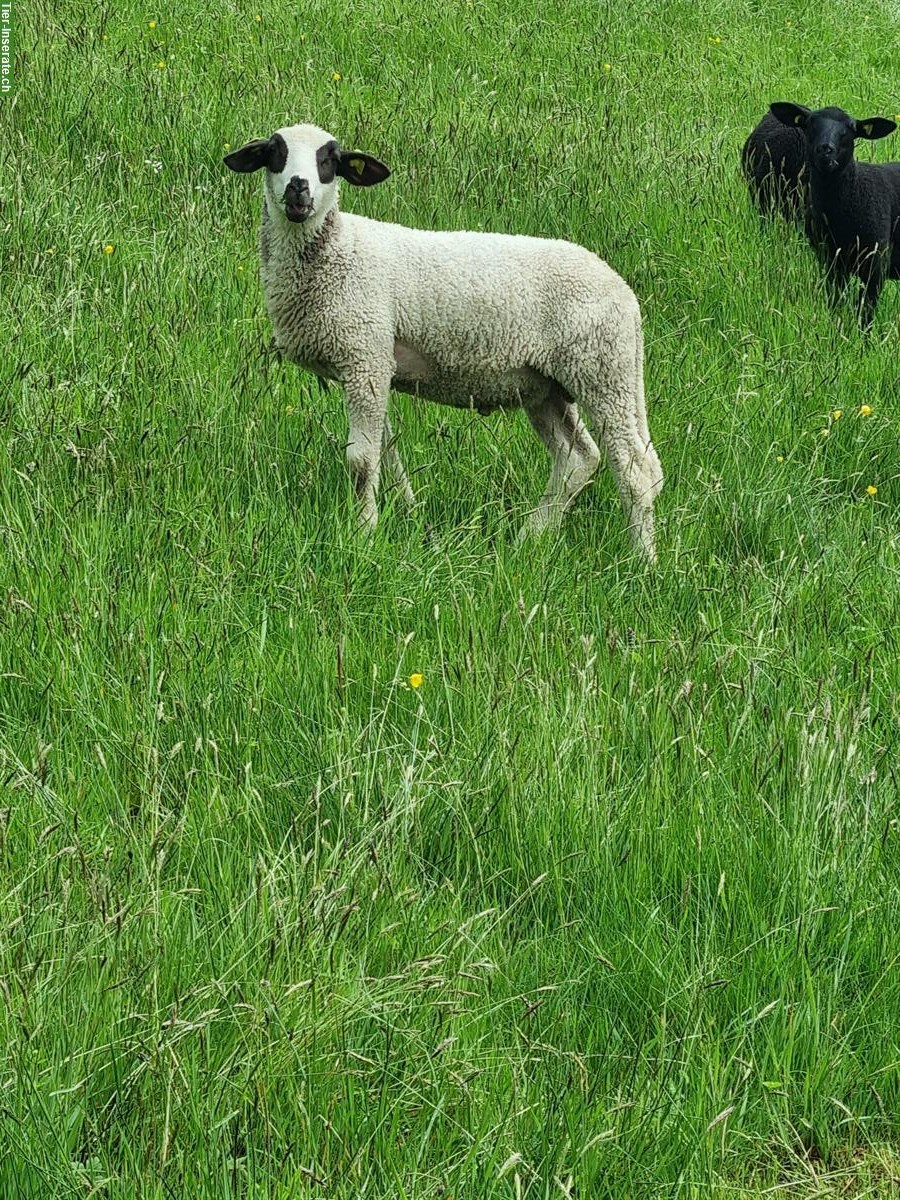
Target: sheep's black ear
(250, 157)
(263, 152)
(362, 170)
(789, 114)
(874, 128)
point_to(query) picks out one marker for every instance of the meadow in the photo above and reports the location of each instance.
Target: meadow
(609, 904)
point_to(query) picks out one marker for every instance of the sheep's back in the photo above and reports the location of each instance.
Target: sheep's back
(488, 295)
(774, 163)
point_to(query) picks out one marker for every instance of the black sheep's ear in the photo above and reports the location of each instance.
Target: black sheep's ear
(362, 170)
(263, 152)
(789, 114)
(873, 128)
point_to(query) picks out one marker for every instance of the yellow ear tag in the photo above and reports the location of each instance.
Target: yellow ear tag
(867, 129)
(358, 165)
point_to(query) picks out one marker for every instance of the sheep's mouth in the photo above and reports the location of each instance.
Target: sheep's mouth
(298, 211)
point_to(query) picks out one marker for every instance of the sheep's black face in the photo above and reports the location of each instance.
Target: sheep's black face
(829, 133)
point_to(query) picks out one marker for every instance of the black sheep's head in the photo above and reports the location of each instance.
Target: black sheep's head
(830, 133)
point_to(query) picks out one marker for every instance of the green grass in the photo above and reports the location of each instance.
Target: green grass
(609, 907)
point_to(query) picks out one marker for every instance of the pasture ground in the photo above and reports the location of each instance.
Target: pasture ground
(608, 907)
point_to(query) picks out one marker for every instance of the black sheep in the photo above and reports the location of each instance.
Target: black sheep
(774, 162)
(854, 207)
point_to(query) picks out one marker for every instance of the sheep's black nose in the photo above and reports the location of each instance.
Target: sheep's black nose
(296, 188)
(298, 203)
(825, 150)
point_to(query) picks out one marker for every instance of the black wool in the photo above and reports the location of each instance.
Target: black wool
(854, 207)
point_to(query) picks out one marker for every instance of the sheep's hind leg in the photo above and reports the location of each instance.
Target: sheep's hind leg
(391, 458)
(609, 385)
(635, 469)
(574, 458)
(654, 467)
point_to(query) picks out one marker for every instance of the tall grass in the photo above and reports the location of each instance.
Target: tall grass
(609, 906)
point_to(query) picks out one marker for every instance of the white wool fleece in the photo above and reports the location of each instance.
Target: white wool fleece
(474, 320)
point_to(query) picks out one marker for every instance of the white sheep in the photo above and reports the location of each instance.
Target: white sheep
(474, 320)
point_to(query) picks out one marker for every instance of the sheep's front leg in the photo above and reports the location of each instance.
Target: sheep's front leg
(367, 394)
(872, 276)
(391, 456)
(837, 276)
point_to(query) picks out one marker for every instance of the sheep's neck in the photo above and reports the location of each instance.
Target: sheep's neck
(303, 240)
(830, 193)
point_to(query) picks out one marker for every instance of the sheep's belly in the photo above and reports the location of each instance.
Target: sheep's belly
(484, 391)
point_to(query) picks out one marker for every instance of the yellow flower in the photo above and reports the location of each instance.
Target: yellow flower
(416, 680)
(837, 414)
(161, 65)
(607, 66)
(824, 432)
(108, 248)
(871, 490)
(779, 458)
(240, 267)
(718, 41)
(227, 146)
(337, 76)
(290, 409)
(865, 410)
(258, 17)
(151, 24)
(106, 37)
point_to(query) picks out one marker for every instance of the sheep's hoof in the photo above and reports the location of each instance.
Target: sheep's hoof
(534, 525)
